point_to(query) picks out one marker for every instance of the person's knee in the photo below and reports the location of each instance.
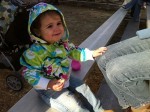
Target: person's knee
(116, 71)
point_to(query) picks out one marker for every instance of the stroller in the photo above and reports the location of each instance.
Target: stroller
(14, 38)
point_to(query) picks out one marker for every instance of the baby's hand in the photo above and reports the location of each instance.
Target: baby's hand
(99, 51)
(108, 111)
(56, 84)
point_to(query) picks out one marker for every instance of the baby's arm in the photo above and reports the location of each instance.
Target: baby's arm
(84, 54)
(38, 82)
(34, 78)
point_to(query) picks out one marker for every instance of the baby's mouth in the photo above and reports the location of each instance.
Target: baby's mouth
(56, 34)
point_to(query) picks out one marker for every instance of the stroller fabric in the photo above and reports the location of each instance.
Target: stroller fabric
(7, 11)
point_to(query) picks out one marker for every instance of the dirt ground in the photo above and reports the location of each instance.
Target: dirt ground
(81, 22)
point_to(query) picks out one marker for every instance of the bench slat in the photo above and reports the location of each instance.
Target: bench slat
(130, 30)
(107, 97)
(100, 38)
(103, 34)
(28, 102)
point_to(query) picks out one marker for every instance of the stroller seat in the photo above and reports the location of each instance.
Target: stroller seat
(14, 37)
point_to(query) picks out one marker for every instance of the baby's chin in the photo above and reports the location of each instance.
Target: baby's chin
(54, 41)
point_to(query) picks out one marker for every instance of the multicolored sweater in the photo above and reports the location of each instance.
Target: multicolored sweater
(43, 62)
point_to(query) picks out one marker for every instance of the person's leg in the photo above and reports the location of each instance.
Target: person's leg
(63, 101)
(137, 10)
(129, 5)
(130, 74)
(132, 11)
(80, 87)
(119, 49)
(128, 46)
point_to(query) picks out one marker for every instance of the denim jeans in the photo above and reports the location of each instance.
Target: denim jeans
(67, 101)
(126, 69)
(137, 10)
(135, 6)
(130, 4)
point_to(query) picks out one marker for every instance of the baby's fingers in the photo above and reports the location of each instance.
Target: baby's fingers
(103, 48)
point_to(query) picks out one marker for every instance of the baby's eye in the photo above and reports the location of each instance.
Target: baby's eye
(60, 23)
(50, 26)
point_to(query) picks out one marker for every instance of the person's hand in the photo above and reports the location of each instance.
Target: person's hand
(56, 84)
(99, 51)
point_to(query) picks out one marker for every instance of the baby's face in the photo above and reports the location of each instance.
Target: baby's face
(51, 29)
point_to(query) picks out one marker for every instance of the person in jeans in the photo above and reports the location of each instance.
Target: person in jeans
(129, 5)
(135, 6)
(126, 69)
(47, 63)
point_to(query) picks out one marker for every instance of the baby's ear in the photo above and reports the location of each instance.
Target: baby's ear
(36, 32)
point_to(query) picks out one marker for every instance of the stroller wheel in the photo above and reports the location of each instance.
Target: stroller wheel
(14, 82)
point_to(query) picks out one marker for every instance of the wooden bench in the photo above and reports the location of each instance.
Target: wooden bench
(130, 30)
(31, 101)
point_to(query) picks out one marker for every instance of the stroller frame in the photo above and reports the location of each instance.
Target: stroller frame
(13, 80)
